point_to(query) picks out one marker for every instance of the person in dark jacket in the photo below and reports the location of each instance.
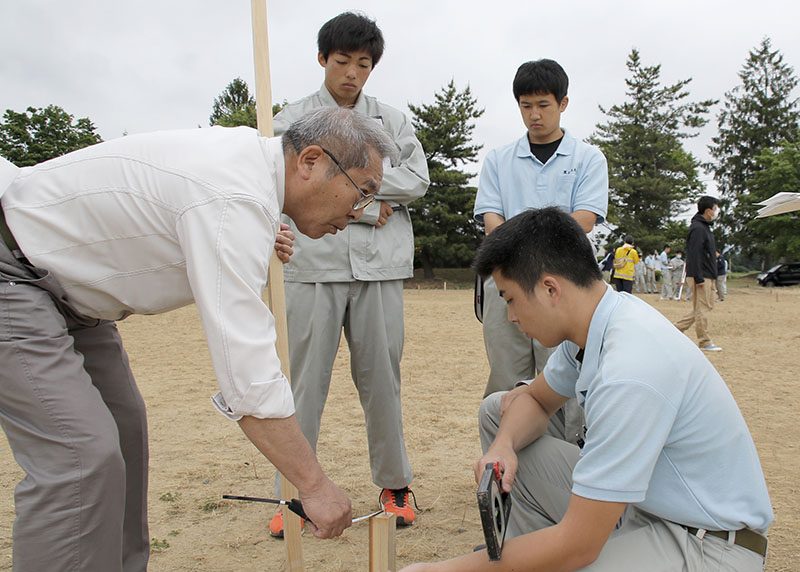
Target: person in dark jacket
(701, 271)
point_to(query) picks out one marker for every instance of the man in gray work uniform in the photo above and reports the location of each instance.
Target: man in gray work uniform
(354, 280)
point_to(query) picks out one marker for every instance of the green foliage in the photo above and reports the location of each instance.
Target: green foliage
(158, 544)
(776, 238)
(757, 116)
(39, 134)
(445, 232)
(651, 175)
(235, 106)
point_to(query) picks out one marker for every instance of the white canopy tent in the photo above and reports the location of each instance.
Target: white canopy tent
(779, 204)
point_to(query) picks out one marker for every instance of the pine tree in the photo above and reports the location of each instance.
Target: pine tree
(777, 238)
(757, 116)
(445, 233)
(235, 106)
(651, 175)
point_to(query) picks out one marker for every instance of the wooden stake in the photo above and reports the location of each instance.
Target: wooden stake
(275, 292)
(381, 543)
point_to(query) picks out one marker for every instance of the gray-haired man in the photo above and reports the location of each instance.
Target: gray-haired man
(143, 225)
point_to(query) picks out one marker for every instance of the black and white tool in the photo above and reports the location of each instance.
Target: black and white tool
(494, 507)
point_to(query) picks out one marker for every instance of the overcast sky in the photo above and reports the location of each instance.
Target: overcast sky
(148, 65)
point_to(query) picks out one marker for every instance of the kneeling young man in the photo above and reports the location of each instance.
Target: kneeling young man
(668, 478)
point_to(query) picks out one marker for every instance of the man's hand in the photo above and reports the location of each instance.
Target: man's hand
(383, 216)
(328, 508)
(503, 454)
(510, 396)
(284, 243)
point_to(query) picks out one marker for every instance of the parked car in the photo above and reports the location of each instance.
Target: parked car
(781, 275)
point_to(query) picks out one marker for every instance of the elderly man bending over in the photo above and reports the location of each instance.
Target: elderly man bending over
(143, 225)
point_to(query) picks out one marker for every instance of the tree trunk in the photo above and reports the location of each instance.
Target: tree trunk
(427, 266)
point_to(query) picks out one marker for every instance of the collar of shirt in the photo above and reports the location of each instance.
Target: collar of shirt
(328, 101)
(594, 340)
(273, 153)
(567, 146)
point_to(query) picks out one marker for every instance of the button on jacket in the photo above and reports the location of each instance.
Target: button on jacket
(148, 223)
(362, 251)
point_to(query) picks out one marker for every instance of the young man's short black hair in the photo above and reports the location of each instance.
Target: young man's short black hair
(629, 239)
(351, 32)
(706, 202)
(541, 76)
(537, 242)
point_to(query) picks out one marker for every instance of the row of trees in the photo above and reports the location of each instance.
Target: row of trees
(653, 178)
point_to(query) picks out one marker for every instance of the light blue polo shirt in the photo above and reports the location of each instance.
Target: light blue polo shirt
(663, 431)
(512, 180)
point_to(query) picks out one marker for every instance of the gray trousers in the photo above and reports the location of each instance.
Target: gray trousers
(371, 315)
(514, 357)
(76, 424)
(642, 542)
(650, 280)
(666, 284)
(722, 287)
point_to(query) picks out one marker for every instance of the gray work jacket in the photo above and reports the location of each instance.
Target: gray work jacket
(363, 251)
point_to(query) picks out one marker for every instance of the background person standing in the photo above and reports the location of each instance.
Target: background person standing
(625, 259)
(650, 267)
(666, 273)
(701, 271)
(547, 166)
(353, 281)
(722, 277)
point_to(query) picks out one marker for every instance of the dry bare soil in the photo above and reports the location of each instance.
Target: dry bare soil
(197, 455)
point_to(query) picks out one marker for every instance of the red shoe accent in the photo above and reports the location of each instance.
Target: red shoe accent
(395, 501)
(276, 525)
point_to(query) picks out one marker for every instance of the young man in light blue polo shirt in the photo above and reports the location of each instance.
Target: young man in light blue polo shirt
(668, 479)
(545, 167)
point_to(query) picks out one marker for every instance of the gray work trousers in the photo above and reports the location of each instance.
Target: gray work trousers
(76, 425)
(371, 315)
(666, 284)
(643, 542)
(514, 357)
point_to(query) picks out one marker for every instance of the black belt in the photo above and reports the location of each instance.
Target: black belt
(745, 538)
(8, 238)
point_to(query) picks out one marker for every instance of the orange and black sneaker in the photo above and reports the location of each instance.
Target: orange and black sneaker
(276, 525)
(395, 501)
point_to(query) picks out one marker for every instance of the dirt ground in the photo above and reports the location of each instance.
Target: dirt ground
(197, 455)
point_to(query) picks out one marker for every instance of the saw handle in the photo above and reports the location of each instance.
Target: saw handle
(296, 507)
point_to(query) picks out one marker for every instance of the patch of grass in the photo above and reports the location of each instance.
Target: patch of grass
(169, 497)
(210, 506)
(158, 545)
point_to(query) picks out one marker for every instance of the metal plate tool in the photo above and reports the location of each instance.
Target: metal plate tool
(494, 506)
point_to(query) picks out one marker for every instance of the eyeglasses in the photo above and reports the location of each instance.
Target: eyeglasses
(366, 198)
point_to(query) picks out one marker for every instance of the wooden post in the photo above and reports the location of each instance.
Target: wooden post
(275, 293)
(381, 543)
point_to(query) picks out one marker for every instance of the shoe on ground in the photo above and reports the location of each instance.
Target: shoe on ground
(276, 525)
(711, 348)
(395, 501)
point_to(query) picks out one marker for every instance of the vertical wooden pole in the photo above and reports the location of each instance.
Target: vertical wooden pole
(275, 293)
(381, 543)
